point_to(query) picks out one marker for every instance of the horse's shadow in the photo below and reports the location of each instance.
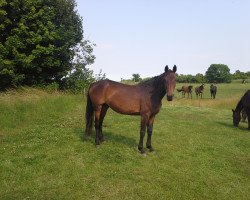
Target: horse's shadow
(108, 136)
(231, 126)
(121, 139)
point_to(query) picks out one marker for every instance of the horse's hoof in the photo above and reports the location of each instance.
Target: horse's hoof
(151, 149)
(144, 154)
(98, 146)
(102, 140)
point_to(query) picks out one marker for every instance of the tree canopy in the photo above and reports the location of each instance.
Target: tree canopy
(39, 41)
(136, 77)
(219, 73)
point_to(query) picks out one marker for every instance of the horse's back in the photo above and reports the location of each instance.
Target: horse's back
(246, 99)
(120, 97)
(186, 88)
(199, 89)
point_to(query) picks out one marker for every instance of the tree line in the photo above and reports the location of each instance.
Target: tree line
(216, 73)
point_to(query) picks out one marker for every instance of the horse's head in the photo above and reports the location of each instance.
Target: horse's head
(236, 117)
(170, 82)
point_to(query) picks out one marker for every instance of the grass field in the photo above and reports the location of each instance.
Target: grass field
(199, 153)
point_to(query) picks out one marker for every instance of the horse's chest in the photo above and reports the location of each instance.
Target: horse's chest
(155, 107)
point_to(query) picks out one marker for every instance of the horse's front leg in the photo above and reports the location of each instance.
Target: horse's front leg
(150, 131)
(142, 134)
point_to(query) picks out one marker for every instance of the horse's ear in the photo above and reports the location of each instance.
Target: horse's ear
(174, 68)
(166, 68)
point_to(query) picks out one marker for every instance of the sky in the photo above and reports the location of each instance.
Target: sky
(143, 36)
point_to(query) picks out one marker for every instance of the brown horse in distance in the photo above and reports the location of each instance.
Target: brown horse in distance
(144, 99)
(199, 91)
(186, 89)
(244, 103)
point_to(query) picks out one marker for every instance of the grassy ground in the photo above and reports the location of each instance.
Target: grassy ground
(199, 154)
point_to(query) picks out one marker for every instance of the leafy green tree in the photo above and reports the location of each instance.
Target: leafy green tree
(136, 77)
(38, 41)
(219, 73)
(80, 77)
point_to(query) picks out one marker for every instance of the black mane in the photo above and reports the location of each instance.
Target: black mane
(155, 87)
(155, 81)
(244, 101)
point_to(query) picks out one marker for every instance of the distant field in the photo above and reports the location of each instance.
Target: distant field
(227, 96)
(199, 154)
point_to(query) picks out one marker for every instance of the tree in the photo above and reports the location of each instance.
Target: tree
(219, 73)
(39, 41)
(80, 77)
(199, 78)
(136, 77)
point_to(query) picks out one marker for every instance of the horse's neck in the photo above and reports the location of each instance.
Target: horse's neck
(155, 89)
(159, 91)
(239, 106)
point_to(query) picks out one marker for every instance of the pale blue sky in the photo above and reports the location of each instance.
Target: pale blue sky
(142, 36)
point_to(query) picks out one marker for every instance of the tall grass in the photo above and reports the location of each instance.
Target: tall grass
(199, 154)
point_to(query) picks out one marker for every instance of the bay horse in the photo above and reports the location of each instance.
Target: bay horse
(199, 90)
(213, 91)
(143, 99)
(244, 103)
(186, 89)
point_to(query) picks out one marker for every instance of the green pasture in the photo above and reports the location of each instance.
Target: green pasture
(198, 154)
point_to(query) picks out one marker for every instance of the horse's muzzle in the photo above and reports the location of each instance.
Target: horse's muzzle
(169, 98)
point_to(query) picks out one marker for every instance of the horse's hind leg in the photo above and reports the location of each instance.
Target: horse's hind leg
(150, 131)
(97, 124)
(102, 115)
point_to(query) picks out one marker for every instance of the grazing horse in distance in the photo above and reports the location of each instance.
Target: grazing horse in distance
(244, 103)
(144, 100)
(213, 90)
(186, 89)
(199, 90)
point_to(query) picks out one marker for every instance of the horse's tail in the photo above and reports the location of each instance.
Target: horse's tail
(179, 90)
(89, 116)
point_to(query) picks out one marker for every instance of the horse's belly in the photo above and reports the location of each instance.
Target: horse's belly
(127, 106)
